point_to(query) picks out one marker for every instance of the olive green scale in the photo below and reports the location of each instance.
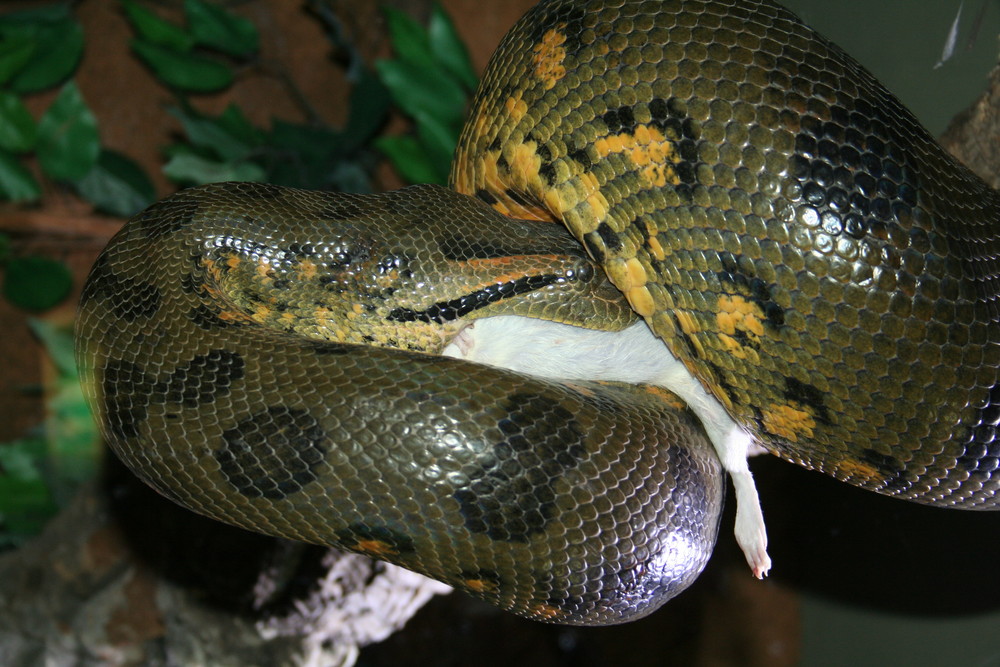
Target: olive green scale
(803, 244)
(228, 342)
(777, 217)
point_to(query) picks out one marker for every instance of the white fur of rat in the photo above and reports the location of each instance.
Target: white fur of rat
(633, 355)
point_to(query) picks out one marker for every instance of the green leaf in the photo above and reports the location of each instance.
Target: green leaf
(419, 90)
(25, 500)
(36, 283)
(448, 48)
(369, 107)
(58, 49)
(216, 28)
(409, 159)
(21, 459)
(15, 52)
(190, 168)
(174, 150)
(72, 436)
(349, 176)
(212, 134)
(44, 471)
(17, 128)
(301, 155)
(156, 30)
(409, 38)
(70, 432)
(51, 13)
(58, 342)
(117, 185)
(438, 143)
(16, 182)
(68, 142)
(237, 124)
(310, 140)
(4, 248)
(185, 71)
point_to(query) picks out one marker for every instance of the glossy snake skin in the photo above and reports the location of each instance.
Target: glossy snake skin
(799, 242)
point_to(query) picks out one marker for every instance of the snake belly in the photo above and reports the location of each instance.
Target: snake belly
(789, 229)
(776, 216)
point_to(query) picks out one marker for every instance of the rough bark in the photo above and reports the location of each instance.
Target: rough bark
(122, 577)
(973, 136)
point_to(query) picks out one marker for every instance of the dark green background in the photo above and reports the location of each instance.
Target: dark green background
(901, 40)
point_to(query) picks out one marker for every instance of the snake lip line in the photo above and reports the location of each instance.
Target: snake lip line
(447, 311)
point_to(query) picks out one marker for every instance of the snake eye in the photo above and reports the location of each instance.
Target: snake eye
(582, 271)
(343, 256)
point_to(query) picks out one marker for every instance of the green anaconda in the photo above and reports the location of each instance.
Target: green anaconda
(816, 265)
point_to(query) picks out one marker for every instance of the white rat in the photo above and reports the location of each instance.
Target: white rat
(564, 352)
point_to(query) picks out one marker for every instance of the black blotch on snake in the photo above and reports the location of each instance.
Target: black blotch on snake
(126, 388)
(671, 117)
(375, 540)
(807, 395)
(619, 120)
(851, 168)
(272, 454)
(982, 448)
(511, 496)
(203, 379)
(582, 158)
(608, 241)
(519, 198)
(570, 22)
(168, 216)
(447, 311)
(895, 477)
(128, 299)
(743, 278)
(547, 172)
(302, 249)
(486, 196)
(101, 282)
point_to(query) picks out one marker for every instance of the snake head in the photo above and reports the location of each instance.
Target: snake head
(407, 270)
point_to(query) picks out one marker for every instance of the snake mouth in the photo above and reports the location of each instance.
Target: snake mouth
(453, 309)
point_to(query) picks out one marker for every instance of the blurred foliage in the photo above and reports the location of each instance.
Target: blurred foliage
(36, 283)
(202, 57)
(429, 80)
(40, 472)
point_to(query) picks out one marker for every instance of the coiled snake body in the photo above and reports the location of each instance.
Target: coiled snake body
(798, 241)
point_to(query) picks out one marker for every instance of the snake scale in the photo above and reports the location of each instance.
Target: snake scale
(270, 357)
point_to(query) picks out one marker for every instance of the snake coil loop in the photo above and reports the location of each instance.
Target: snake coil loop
(825, 279)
